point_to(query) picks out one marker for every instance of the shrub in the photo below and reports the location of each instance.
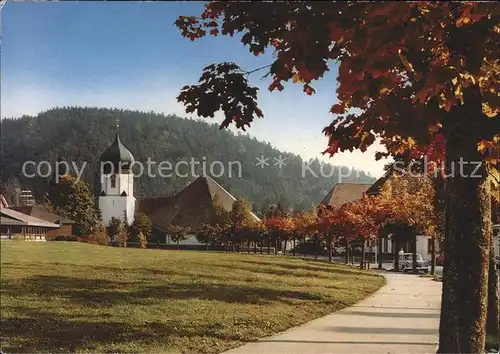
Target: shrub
(64, 238)
(99, 237)
(143, 241)
(50, 237)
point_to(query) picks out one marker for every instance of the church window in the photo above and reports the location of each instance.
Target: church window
(113, 181)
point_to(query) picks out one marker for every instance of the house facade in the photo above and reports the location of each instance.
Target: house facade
(15, 225)
(424, 246)
(37, 211)
(424, 243)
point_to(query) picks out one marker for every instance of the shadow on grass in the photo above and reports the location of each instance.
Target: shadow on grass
(43, 331)
(314, 266)
(283, 271)
(34, 330)
(104, 293)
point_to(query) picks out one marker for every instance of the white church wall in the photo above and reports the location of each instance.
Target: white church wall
(126, 183)
(107, 185)
(114, 206)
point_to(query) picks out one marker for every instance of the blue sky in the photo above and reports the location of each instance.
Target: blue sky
(130, 55)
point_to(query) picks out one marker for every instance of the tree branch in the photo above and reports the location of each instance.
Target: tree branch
(491, 66)
(258, 69)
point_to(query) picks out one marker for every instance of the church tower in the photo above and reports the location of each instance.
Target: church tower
(117, 182)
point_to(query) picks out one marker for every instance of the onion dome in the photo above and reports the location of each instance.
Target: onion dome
(117, 155)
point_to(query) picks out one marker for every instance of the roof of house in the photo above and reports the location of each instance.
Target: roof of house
(10, 222)
(12, 217)
(343, 193)
(39, 212)
(376, 187)
(192, 207)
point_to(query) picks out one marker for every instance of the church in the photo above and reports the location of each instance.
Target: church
(191, 207)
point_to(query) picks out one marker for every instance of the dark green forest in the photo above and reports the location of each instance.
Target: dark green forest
(82, 134)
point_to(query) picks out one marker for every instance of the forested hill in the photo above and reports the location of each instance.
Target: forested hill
(82, 134)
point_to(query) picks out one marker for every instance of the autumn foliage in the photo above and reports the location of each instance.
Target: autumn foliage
(404, 65)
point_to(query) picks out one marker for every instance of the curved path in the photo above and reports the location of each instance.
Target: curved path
(401, 317)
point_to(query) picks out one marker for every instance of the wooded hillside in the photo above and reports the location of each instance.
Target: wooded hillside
(82, 134)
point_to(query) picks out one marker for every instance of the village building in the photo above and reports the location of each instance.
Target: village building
(37, 211)
(343, 193)
(424, 243)
(190, 208)
(17, 225)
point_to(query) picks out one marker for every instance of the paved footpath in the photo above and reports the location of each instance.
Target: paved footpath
(401, 317)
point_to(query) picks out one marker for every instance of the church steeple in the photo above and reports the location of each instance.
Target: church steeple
(116, 197)
(117, 155)
(117, 129)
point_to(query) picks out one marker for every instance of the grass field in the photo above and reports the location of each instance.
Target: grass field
(68, 296)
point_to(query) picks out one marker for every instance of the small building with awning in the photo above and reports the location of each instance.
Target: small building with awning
(37, 211)
(17, 225)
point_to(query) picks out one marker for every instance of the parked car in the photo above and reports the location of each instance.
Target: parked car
(406, 263)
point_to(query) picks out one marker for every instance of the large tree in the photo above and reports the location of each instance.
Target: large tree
(409, 208)
(422, 77)
(361, 220)
(279, 228)
(73, 199)
(141, 226)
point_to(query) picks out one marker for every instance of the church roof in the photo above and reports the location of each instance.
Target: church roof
(117, 153)
(343, 193)
(192, 207)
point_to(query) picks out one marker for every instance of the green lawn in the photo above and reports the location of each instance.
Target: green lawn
(68, 296)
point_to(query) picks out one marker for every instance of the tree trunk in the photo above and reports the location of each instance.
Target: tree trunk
(315, 248)
(395, 251)
(207, 246)
(433, 255)
(248, 247)
(177, 244)
(330, 250)
(467, 236)
(414, 252)
(362, 253)
(493, 319)
(276, 246)
(261, 244)
(347, 251)
(294, 245)
(268, 245)
(284, 249)
(379, 252)
(255, 247)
